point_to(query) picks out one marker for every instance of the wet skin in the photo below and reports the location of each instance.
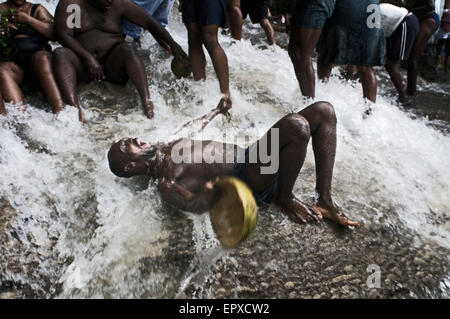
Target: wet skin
(12, 76)
(236, 22)
(190, 186)
(100, 38)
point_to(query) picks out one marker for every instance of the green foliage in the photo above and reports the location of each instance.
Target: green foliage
(7, 48)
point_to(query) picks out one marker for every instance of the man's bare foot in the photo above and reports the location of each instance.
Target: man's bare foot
(299, 212)
(148, 109)
(331, 211)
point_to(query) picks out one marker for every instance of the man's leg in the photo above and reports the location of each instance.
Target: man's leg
(270, 33)
(131, 29)
(235, 17)
(393, 68)
(301, 46)
(294, 135)
(162, 12)
(41, 65)
(124, 62)
(322, 123)
(218, 56)
(68, 69)
(11, 76)
(196, 54)
(2, 104)
(368, 82)
(426, 30)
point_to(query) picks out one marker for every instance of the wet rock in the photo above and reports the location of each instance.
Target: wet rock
(341, 278)
(289, 285)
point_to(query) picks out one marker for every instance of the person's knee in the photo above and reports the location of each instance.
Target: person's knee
(5, 73)
(326, 112)
(210, 41)
(295, 126)
(42, 60)
(61, 56)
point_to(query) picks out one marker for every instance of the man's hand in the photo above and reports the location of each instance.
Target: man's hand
(95, 69)
(224, 105)
(179, 54)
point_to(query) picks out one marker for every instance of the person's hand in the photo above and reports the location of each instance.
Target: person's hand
(179, 54)
(95, 69)
(225, 105)
(57, 109)
(19, 17)
(148, 109)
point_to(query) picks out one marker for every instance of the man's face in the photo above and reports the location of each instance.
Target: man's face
(101, 4)
(135, 149)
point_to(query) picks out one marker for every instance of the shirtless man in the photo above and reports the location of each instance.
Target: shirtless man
(190, 186)
(96, 50)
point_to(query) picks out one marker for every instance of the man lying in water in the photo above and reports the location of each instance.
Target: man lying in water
(190, 186)
(95, 50)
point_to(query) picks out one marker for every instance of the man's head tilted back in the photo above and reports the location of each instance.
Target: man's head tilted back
(118, 160)
(129, 157)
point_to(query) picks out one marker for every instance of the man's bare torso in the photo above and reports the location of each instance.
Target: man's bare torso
(99, 30)
(193, 176)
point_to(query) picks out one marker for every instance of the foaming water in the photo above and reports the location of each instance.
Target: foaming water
(85, 233)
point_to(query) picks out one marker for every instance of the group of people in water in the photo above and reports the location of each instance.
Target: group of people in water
(94, 48)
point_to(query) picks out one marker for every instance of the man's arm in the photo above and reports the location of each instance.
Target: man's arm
(199, 124)
(137, 15)
(183, 199)
(67, 38)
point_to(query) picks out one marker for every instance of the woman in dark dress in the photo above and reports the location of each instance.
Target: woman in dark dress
(28, 27)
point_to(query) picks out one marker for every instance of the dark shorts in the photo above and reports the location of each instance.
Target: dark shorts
(205, 12)
(256, 9)
(348, 39)
(119, 78)
(312, 14)
(401, 42)
(263, 197)
(27, 47)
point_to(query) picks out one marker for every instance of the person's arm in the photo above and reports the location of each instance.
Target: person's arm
(199, 124)
(43, 23)
(184, 199)
(67, 38)
(137, 15)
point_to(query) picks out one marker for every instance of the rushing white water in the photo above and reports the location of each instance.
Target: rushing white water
(54, 172)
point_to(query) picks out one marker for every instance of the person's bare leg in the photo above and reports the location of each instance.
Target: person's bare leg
(393, 68)
(235, 18)
(270, 33)
(196, 54)
(123, 62)
(11, 76)
(218, 57)
(368, 82)
(41, 65)
(324, 71)
(2, 105)
(68, 68)
(301, 47)
(426, 30)
(322, 123)
(294, 135)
